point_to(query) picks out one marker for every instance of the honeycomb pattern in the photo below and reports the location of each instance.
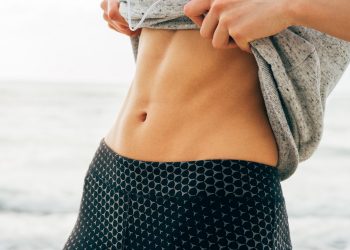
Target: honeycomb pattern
(199, 204)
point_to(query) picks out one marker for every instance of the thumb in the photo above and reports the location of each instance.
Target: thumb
(113, 9)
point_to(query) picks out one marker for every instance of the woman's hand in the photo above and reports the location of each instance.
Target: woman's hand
(115, 20)
(243, 20)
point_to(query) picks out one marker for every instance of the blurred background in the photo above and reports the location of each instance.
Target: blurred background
(63, 77)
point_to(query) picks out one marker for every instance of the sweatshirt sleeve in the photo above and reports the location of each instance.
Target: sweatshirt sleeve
(306, 65)
(333, 54)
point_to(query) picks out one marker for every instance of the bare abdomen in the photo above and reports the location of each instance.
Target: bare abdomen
(190, 101)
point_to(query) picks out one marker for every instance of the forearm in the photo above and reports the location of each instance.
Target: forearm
(331, 17)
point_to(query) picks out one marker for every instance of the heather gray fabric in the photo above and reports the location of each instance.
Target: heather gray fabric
(298, 69)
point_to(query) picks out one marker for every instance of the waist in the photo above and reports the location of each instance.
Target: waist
(164, 132)
(191, 101)
(226, 178)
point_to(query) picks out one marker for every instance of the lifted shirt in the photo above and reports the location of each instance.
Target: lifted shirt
(298, 69)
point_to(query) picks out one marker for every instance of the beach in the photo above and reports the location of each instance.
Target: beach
(49, 132)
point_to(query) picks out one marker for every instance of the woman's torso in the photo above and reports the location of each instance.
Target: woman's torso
(201, 103)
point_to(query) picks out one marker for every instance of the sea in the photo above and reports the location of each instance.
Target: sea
(49, 132)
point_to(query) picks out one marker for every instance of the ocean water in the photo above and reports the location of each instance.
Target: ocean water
(50, 131)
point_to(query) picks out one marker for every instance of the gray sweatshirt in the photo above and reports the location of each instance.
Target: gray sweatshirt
(298, 69)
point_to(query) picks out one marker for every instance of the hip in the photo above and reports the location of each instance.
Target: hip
(204, 204)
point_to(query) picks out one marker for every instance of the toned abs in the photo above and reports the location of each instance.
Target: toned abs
(191, 101)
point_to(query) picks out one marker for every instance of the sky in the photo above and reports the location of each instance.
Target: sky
(61, 41)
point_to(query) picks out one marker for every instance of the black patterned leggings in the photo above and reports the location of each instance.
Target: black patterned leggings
(199, 204)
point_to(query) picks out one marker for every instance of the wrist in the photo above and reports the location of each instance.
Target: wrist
(293, 11)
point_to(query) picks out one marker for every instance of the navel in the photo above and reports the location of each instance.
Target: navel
(143, 116)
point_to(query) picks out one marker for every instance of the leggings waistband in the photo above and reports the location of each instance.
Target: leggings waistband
(187, 179)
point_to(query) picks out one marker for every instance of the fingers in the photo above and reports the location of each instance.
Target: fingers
(195, 10)
(113, 10)
(125, 31)
(209, 25)
(116, 24)
(222, 39)
(112, 27)
(115, 20)
(201, 13)
(241, 41)
(103, 5)
(250, 49)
